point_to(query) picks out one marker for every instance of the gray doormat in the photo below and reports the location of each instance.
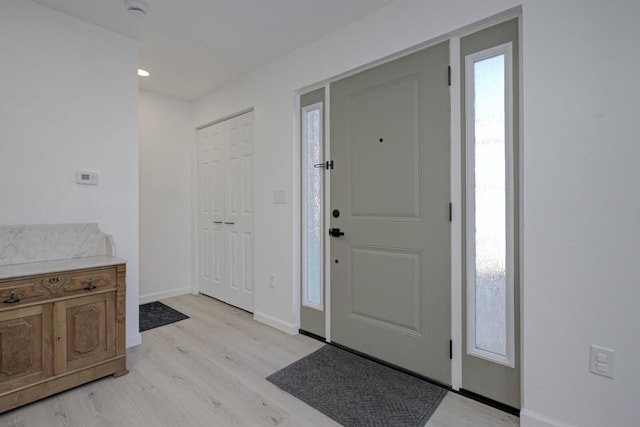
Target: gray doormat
(155, 314)
(358, 392)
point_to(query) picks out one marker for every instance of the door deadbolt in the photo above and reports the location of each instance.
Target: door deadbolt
(336, 213)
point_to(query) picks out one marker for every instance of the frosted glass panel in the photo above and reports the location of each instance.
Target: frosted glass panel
(312, 151)
(490, 206)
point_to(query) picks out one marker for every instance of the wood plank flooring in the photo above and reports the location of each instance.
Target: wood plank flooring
(210, 370)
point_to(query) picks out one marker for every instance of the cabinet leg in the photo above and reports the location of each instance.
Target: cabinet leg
(120, 373)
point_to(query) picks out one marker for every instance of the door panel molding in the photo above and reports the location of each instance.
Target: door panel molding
(412, 298)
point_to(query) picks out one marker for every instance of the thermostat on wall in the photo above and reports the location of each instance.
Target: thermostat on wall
(87, 178)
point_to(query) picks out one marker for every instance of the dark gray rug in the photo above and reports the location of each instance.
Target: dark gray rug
(358, 392)
(155, 314)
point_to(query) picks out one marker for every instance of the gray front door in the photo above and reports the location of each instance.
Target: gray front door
(390, 271)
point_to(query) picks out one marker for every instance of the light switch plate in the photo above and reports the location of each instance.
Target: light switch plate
(601, 361)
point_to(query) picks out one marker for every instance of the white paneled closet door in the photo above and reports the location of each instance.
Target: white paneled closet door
(225, 205)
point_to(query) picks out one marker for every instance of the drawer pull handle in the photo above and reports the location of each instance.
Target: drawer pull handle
(12, 297)
(89, 284)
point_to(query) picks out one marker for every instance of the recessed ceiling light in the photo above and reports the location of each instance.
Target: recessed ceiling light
(143, 73)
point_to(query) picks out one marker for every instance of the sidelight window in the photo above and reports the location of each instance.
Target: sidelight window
(490, 205)
(312, 222)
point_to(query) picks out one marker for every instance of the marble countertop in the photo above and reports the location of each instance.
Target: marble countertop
(32, 268)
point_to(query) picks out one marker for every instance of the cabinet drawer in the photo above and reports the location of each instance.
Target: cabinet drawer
(17, 292)
(86, 281)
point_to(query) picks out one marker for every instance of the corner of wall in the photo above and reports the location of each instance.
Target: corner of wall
(134, 340)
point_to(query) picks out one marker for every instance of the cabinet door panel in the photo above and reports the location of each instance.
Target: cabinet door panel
(86, 327)
(25, 346)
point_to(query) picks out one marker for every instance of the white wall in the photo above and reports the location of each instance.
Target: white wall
(582, 207)
(581, 197)
(68, 102)
(165, 197)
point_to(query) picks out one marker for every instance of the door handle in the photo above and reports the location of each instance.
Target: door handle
(335, 232)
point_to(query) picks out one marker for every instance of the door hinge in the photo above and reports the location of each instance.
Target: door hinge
(450, 349)
(450, 212)
(449, 74)
(326, 165)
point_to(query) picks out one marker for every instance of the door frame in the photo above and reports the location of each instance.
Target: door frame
(456, 166)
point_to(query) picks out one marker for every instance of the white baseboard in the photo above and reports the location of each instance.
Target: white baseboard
(289, 328)
(134, 340)
(532, 419)
(155, 296)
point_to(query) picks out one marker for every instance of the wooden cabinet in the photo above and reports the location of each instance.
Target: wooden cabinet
(60, 330)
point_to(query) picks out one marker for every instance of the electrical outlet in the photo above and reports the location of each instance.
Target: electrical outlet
(601, 361)
(272, 281)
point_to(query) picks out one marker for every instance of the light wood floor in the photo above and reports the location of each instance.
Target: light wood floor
(209, 370)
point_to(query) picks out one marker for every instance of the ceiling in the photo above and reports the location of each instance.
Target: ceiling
(193, 46)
